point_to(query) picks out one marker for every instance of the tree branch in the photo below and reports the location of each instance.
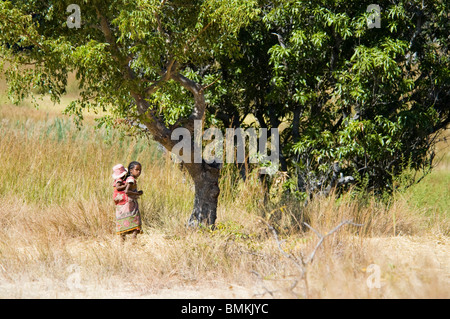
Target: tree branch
(25, 32)
(205, 87)
(188, 43)
(158, 21)
(196, 89)
(164, 77)
(154, 124)
(322, 237)
(187, 83)
(116, 54)
(302, 264)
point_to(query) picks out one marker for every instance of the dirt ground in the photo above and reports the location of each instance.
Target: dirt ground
(406, 261)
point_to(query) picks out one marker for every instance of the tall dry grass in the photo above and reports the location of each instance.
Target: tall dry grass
(57, 219)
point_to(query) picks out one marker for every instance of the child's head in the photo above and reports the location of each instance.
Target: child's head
(119, 171)
(134, 169)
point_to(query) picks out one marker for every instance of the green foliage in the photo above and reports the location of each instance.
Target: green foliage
(121, 48)
(359, 93)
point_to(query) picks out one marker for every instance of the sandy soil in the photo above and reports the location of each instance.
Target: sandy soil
(405, 260)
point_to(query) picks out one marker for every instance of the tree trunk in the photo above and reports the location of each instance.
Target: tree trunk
(206, 181)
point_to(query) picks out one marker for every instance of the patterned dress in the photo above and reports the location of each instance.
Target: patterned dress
(128, 217)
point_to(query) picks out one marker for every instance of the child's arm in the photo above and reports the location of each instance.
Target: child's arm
(120, 186)
(128, 191)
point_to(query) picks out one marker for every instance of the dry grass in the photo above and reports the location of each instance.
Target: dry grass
(41, 246)
(57, 229)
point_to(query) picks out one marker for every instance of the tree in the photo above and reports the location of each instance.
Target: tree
(365, 102)
(360, 104)
(136, 59)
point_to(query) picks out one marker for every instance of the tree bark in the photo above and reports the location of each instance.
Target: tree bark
(206, 181)
(204, 175)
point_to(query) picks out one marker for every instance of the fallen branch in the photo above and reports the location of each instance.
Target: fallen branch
(300, 262)
(301, 265)
(322, 237)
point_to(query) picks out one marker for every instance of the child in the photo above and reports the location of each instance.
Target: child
(118, 175)
(128, 218)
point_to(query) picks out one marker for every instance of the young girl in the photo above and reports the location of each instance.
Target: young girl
(128, 218)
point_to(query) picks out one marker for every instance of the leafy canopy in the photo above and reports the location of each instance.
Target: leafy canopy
(122, 47)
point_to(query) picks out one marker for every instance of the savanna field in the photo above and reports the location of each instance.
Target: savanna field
(57, 222)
